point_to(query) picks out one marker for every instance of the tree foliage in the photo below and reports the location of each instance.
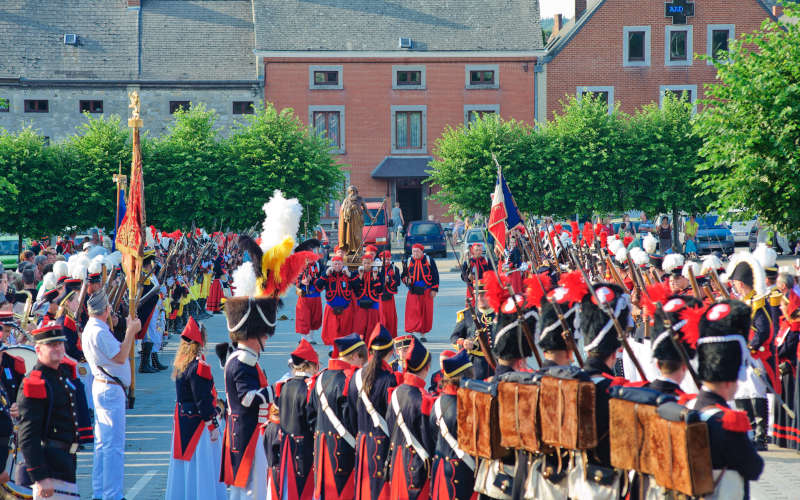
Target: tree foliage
(586, 160)
(751, 126)
(192, 174)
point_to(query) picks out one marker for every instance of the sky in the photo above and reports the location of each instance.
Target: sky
(548, 8)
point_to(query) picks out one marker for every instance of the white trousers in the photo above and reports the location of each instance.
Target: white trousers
(108, 469)
(63, 491)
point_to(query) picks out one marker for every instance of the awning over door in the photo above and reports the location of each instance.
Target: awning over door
(402, 166)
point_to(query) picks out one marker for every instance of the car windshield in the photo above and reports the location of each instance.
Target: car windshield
(474, 237)
(380, 220)
(710, 222)
(425, 230)
(9, 247)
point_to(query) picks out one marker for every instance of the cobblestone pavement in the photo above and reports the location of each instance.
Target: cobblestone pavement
(149, 424)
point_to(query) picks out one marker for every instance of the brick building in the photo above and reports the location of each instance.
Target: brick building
(59, 60)
(383, 79)
(631, 52)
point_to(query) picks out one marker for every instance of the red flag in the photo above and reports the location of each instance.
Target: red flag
(498, 216)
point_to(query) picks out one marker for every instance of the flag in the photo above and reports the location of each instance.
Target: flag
(120, 215)
(504, 215)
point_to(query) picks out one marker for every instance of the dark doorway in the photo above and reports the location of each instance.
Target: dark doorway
(410, 199)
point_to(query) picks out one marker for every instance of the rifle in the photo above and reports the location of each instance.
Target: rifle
(525, 330)
(623, 338)
(718, 284)
(698, 294)
(483, 340)
(82, 298)
(673, 335)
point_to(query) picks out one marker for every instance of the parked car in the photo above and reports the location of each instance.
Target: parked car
(376, 232)
(429, 234)
(713, 236)
(473, 235)
(9, 251)
(778, 241)
(740, 228)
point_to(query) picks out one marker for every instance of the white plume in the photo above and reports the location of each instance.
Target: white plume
(621, 254)
(671, 261)
(48, 283)
(283, 219)
(78, 264)
(614, 245)
(650, 243)
(639, 256)
(244, 280)
(759, 278)
(60, 269)
(115, 258)
(765, 255)
(710, 262)
(96, 265)
(695, 266)
(149, 240)
(566, 239)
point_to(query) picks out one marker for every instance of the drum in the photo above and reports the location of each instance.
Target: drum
(26, 352)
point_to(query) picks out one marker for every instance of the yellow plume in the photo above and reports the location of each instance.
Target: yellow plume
(272, 260)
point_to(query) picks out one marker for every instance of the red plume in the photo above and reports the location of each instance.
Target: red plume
(575, 231)
(588, 234)
(576, 287)
(691, 330)
(656, 294)
(627, 241)
(603, 239)
(290, 270)
(496, 291)
(558, 228)
(541, 234)
(536, 288)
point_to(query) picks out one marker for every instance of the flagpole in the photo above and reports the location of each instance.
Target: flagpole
(116, 207)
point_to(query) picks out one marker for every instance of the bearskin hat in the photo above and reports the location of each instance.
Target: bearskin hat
(722, 348)
(308, 245)
(666, 318)
(550, 332)
(251, 317)
(596, 326)
(509, 337)
(744, 267)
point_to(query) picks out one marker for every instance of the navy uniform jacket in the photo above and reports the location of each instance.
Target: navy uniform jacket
(48, 423)
(465, 329)
(195, 407)
(13, 371)
(731, 447)
(372, 445)
(452, 478)
(297, 422)
(472, 267)
(247, 392)
(762, 338)
(367, 288)
(338, 291)
(334, 458)
(145, 309)
(666, 386)
(390, 277)
(312, 272)
(409, 471)
(422, 273)
(72, 343)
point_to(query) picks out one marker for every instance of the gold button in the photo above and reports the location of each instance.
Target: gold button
(598, 476)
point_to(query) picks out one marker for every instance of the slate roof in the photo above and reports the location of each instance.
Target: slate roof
(377, 25)
(402, 166)
(180, 40)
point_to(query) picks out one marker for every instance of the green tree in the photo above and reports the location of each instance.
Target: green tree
(94, 155)
(271, 150)
(34, 182)
(751, 126)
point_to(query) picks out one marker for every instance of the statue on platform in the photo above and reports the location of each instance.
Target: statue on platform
(351, 221)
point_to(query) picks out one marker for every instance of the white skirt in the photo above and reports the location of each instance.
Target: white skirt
(257, 483)
(199, 477)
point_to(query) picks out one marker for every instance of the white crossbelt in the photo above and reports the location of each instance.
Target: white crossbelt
(333, 419)
(410, 439)
(451, 441)
(377, 419)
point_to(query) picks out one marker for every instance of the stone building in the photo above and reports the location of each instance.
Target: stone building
(383, 79)
(60, 59)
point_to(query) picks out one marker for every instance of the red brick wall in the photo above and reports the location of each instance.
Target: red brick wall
(367, 95)
(594, 56)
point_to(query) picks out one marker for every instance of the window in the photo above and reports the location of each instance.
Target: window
(37, 105)
(472, 112)
(91, 106)
(174, 106)
(243, 108)
(604, 93)
(408, 77)
(718, 39)
(636, 46)
(325, 77)
(678, 47)
(685, 92)
(5, 104)
(482, 76)
(409, 129)
(328, 121)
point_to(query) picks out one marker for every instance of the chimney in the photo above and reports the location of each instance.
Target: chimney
(580, 8)
(557, 23)
(133, 4)
(777, 11)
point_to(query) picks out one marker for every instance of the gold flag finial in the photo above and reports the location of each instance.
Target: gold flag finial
(135, 121)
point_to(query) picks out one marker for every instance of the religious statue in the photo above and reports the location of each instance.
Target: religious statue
(351, 221)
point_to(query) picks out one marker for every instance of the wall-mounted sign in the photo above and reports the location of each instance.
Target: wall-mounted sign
(679, 10)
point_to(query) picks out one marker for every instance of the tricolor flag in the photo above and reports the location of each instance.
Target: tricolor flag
(504, 215)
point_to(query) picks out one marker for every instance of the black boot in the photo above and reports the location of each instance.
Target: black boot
(144, 360)
(156, 363)
(761, 419)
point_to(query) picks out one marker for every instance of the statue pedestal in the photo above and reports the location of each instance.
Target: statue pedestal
(353, 261)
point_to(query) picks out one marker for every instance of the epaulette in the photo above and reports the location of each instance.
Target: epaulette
(19, 364)
(734, 420)
(33, 386)
(203, 370)
(757, 303)
(628, 383)
(389, 392)
(427, 404)
(72, 365)
(245, 357)
(776, 298)
(460, 315)
(70, 323)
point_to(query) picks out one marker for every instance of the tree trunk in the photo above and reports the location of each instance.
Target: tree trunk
(675, 241)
